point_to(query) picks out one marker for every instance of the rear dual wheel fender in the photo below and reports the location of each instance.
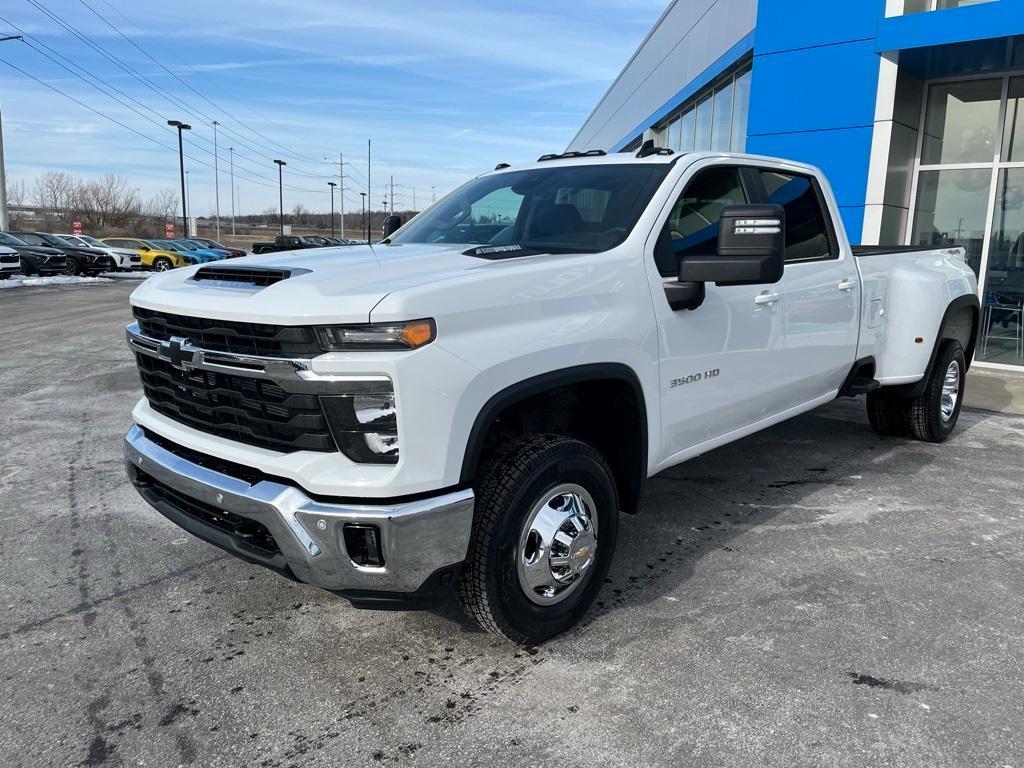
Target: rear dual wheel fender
(544, 529)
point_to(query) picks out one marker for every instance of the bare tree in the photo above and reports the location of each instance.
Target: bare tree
(109, 202)
(57, 194)
(162, 205)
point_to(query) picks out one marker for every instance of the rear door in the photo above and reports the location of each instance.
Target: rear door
(821, 287)
(717, 361)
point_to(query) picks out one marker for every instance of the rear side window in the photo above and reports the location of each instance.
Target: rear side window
(693, 223)
(807, 231)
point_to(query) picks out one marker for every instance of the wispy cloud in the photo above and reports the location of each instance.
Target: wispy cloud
(444, 88)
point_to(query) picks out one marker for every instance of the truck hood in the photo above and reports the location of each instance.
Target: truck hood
(326, 285)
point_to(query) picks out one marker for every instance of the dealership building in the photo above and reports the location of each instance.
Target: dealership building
(914, 109)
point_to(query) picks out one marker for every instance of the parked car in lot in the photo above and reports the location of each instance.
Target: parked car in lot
(286, 243)
(150, 254)
(82, 260)
(201, 255)
(37, 259)
(10, 262)
(233, 253)
(473, 404)
(124, 259)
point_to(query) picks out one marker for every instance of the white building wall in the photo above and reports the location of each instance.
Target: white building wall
(690, 36)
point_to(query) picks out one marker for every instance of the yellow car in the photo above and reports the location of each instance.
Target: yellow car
(153, 257)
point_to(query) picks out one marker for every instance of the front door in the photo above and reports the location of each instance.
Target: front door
(717, 361)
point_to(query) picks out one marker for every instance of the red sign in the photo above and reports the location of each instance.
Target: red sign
(76, 227)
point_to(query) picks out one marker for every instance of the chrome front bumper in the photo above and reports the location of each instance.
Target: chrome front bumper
(419, 538)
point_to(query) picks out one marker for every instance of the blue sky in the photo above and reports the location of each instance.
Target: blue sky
(446, 89)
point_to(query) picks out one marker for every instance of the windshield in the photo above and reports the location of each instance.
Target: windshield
(7, 239)
(92, 241)
(54, 240)
(570, 209)
(167, 245)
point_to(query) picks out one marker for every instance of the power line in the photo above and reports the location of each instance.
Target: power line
(163, 93)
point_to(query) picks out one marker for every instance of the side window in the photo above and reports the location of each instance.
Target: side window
(693, 223)
(807, 233)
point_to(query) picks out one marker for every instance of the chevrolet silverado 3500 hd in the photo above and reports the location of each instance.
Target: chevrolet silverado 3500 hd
(473, 401)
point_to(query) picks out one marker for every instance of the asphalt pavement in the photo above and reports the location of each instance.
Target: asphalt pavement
(814, 595)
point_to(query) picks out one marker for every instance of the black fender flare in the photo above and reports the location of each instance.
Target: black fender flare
(969, 301)
(536, 385)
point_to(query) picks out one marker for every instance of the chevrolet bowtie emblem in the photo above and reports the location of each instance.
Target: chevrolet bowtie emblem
(177, 352)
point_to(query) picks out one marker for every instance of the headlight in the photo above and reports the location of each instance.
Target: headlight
(365, 424)
(370, 336)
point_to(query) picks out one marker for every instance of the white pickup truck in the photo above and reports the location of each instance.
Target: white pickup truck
(473, 401)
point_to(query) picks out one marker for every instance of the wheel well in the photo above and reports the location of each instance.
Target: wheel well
(603, 408)
(961, 324)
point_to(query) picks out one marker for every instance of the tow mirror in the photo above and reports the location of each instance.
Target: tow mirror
(751, 251)
(391, 225)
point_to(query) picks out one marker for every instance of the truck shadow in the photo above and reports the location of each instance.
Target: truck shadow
(806, 465)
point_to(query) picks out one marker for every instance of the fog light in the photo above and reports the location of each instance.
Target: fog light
(364, 425)
(363, 545)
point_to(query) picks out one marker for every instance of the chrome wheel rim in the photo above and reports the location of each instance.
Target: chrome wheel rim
(950, 391)
(557, 545)
(161, 266)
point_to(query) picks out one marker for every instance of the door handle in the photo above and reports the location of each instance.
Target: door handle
(766, 298)
(847, 285)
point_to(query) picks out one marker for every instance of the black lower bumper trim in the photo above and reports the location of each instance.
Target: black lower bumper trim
(435, 590)
(211, 534)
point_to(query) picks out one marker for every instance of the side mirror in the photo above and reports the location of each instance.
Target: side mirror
(751, 251)
(391, 225)
(751, 248)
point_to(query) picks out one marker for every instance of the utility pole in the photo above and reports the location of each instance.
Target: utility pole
(363, 196)
(433, 194)
(231, 150)
(392, 198)
(414, 200)
(341, 180)
(181, 165)
(280, 190)
(385, 204)
(5, 219)
(216, 179)
(332, 185)
(369, 186)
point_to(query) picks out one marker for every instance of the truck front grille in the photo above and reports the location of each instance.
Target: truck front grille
(250, 534)
(247, 410)
(228, 336)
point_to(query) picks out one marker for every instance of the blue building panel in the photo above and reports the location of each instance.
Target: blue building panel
(784, 25)
(999, 18)
(811, 89)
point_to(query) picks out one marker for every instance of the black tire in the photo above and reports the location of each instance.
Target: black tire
(162, 264)
(888, 413)
(932, 417)
(73, 268)
(509, 486)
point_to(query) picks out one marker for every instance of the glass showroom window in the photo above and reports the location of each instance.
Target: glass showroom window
(970, 193)
(715, 119)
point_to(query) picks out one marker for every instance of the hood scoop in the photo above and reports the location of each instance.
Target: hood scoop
(246, 278)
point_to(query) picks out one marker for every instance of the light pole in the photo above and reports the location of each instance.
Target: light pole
(216, 180)
(280, 189)
(5, 221)
(181, 165)
(366, 224)
(332, 185)
(231, 151)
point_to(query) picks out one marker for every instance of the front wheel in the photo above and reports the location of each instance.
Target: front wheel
(933, 415)
(71, 268)
(544, 531)
(161, 264)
